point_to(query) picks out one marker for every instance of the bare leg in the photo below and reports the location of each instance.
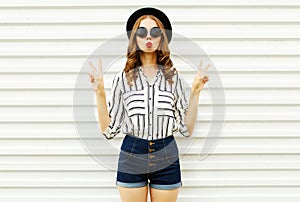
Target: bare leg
(164, 195)
(133, 194)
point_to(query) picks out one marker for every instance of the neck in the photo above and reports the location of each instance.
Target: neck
(149, 60)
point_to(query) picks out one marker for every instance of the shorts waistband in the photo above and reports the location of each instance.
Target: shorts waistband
(158, 141)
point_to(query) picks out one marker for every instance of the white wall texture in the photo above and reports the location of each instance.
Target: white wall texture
(255, 46)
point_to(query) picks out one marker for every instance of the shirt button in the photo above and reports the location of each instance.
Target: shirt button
(150, 85)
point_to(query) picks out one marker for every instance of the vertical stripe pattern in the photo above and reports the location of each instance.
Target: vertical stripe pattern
(148, 109)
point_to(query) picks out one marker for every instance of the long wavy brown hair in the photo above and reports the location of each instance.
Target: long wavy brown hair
(163, 54)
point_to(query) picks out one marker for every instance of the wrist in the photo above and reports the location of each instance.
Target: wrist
(99, 92)
(195, 91)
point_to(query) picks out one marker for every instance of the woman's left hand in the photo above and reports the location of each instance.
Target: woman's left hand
(200, 78)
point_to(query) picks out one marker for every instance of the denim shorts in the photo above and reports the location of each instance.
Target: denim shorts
(144, 161)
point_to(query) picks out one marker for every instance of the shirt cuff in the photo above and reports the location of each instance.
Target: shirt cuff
(110, 133)
(183, 130)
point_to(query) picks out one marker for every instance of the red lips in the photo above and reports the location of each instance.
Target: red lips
(149, 44)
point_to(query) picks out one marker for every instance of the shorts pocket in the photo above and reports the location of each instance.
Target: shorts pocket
(172, 152)
(126, 149)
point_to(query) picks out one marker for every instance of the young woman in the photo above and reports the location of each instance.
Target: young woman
(148, 97)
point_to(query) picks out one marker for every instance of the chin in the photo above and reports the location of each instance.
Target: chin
(149, 51)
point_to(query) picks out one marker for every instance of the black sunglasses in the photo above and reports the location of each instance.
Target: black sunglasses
(154, 32)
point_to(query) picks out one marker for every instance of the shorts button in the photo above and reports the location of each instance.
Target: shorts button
(151, 156)
(151, 164)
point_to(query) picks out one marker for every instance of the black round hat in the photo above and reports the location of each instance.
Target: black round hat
(150, 11)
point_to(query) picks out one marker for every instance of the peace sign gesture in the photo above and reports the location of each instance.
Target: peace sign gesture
(96, 76)
(200, 78)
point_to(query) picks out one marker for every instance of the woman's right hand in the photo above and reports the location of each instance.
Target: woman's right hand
(96, 76)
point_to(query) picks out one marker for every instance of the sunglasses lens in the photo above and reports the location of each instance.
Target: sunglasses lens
(155, 32)
(141, 32)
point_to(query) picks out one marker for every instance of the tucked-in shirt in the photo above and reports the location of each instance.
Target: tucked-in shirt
(149, 109)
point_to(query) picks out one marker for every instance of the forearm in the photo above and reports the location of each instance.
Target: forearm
(103, 115)
(191, 116)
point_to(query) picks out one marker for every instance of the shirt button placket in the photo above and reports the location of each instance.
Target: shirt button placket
(150, 110)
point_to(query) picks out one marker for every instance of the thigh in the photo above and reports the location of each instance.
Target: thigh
(139, 194)
(158, 195)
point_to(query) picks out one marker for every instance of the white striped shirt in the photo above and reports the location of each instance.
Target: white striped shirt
(149, 109)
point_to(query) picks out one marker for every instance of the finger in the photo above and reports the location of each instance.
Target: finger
(92, 78)
(205, 69)
(200, 66)
(93, 66)
(200, 75)
(204, 78)
(100, 68)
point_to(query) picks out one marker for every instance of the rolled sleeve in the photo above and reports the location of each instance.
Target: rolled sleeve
(116, 109)
(181, 106)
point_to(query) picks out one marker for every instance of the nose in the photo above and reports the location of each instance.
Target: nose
(148, 34)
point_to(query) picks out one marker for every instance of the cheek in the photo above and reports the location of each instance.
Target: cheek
(139, 42)
(156, 42)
